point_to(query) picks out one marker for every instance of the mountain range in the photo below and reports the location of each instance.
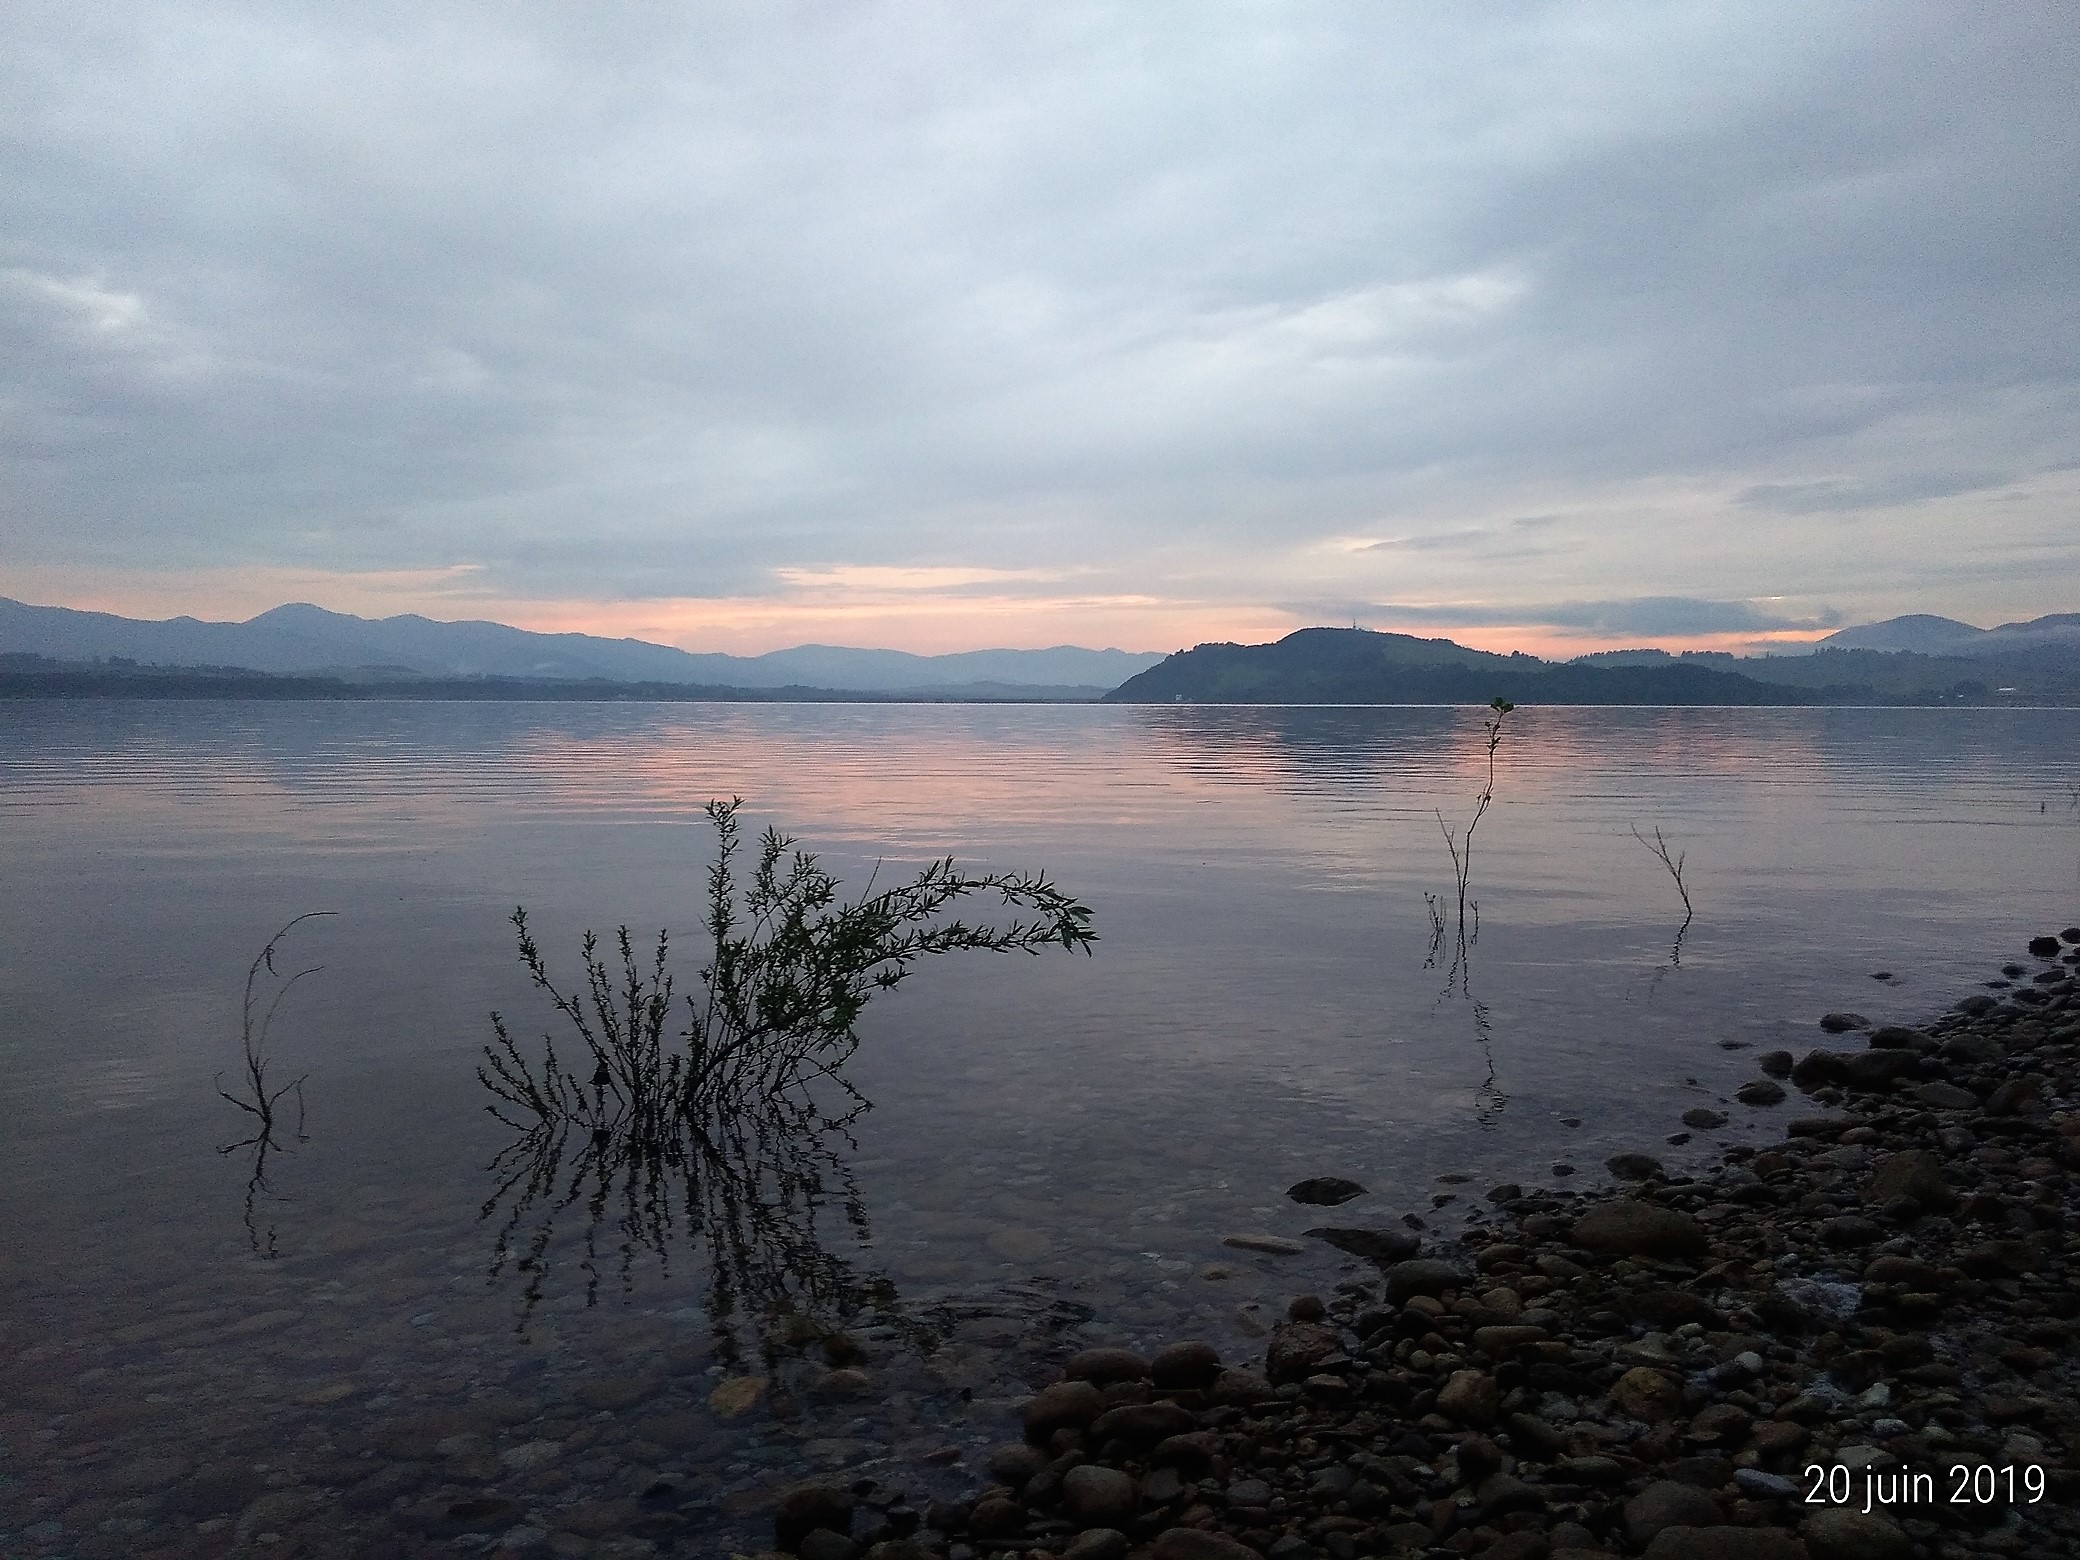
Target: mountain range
(302, 651)
(1946, 636)
(301, 640)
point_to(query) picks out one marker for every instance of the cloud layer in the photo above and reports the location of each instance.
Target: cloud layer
(747, 322)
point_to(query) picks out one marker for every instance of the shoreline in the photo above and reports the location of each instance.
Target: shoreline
(1856, 1344)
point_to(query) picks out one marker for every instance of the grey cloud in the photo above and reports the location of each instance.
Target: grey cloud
(661, 307)
(1837, 495)
(1649, 615)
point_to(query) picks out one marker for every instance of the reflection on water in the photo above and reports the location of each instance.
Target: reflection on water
(748, 1186)
(259, 1098)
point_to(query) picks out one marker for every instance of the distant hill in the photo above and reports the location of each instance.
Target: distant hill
(1355, 666)
(1926, 635)
(25, 675)
(302, 639)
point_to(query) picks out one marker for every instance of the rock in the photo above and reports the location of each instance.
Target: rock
(1067, 1405)
(736, 1395)
(1844, 1533)
(1703, 1119)
(996, 1517)
(1667, 1504)
(1099, 1366)
(1421, 1276)
(808, 1507)
(1249, 1492)
(1519, 1546)
(1239, 1387)
(1816, 1068)
(2015, 1096)
(1324, 1191)
(1873, 1070)
(1946, 1096)
(1297, 1348)
(1097, 1544)
(1646, 1393)
(1197, 1544)
(1764, 1486)
(1099, 1497)
(2044, 947)
(1913, 1172)
(1504, 1494)
(1631, 1228)
(1776, 1063)
(1195, 1449)
(1471, 1397)
(1186, 1367)
(1851, 1229)
(823, 1544)
(1142, 1424)
(1270, 1245)
(1724, 1543)
(1382, 1247)
(1505, 1339)
(1015, 1463)
(1842, 1023)
(1634, 1167)
(901, 1549)
(1760, 1091)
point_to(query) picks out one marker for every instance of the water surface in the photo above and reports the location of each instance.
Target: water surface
(1057, 1144)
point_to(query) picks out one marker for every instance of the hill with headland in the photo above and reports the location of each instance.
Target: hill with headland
(1359, 666)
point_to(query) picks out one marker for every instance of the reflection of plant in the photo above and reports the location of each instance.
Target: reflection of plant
(260, 1100)
(789, 972)
(1461, 846)
(752, 1184)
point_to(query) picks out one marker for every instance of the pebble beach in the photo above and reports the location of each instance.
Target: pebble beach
(1855, 1344)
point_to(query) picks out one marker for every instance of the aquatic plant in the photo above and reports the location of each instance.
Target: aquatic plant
(1461, 845)
(259, 1100)
(1674, 862)
(1659, 847)
(789, 971)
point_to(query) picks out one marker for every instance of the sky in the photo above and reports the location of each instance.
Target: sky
(1556, 327)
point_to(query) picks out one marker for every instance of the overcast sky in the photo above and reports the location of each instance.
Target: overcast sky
(949, 326)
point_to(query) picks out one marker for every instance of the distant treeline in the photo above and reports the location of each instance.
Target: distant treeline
(1356, 666)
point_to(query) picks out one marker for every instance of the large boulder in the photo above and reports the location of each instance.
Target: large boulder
(1421, 1276)
(1912, 1172)
(1632, 1228)
(1067, 1405)
(1297, 1348)
(1099, 1366)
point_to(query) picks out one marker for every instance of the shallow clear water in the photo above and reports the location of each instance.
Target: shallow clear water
(1047, 1133)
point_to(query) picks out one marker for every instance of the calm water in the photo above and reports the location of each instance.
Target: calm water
(1052, 1139)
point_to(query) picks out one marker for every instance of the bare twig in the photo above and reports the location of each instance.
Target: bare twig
(1461, 845)
(1659, 847)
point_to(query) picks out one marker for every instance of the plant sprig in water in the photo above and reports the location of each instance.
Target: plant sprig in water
(789, 971)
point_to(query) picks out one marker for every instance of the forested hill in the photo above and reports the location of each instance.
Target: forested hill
(1357, 666)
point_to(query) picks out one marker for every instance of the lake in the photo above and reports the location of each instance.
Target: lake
(1057, 1145)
